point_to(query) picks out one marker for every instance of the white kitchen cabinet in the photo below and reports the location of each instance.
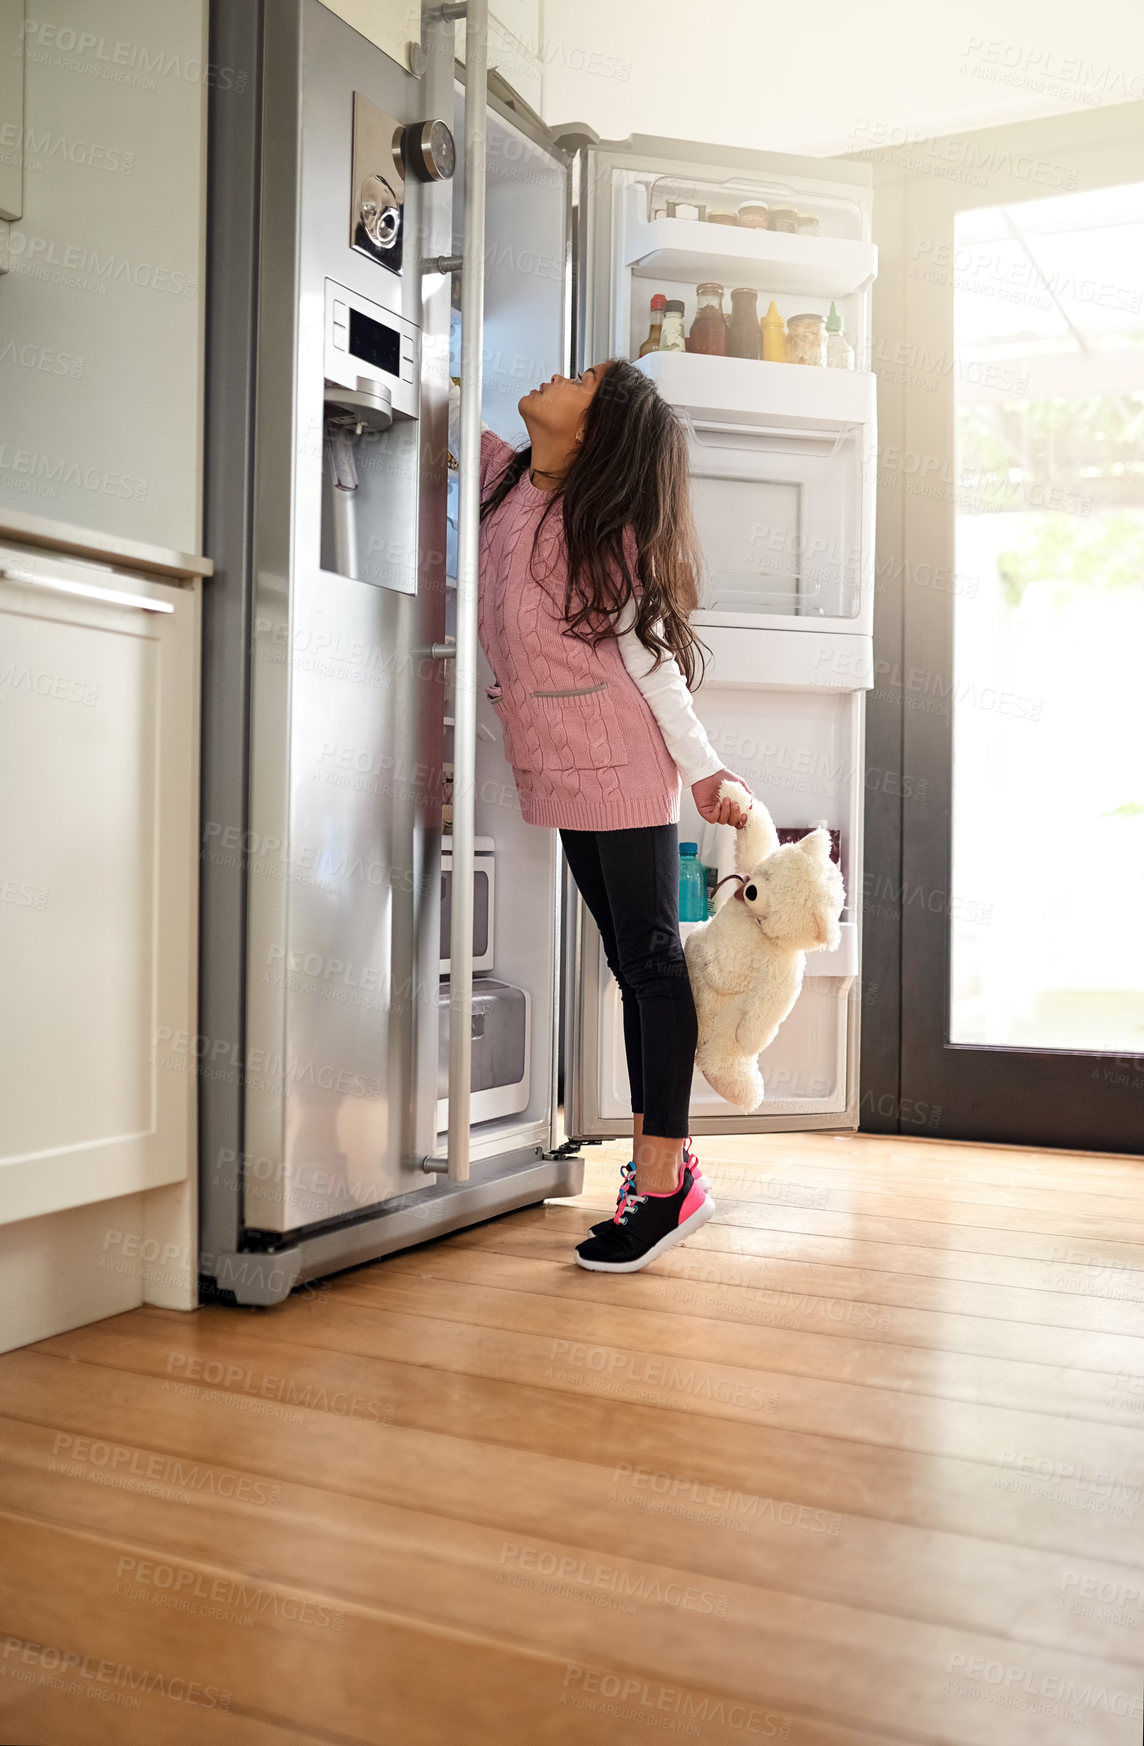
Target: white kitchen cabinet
(99, 715)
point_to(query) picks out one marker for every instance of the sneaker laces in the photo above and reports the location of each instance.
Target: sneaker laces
(627, 1180)
(628, 1201)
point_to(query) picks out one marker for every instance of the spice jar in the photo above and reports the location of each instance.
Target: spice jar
(784, 218)
(671, 338)
(721, 217)
(753, 216)
(655, 329)
(744, 339)
(806, 339)
(839, 351)
(774, 336)
(709, 329)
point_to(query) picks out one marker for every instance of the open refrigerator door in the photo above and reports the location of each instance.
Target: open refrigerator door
(782, 446)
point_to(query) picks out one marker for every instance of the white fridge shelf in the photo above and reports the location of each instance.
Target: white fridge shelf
(774, 261)
(749, 391)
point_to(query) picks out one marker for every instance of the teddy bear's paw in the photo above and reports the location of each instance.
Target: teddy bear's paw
(735, 1082)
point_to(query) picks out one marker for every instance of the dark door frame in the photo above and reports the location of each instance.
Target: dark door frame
(913, 1080)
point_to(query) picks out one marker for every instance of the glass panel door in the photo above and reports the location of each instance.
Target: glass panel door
(1048, 720)
(1005, 864)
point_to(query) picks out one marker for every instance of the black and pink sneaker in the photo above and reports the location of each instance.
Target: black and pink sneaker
(645, 1226)
(628, 1182)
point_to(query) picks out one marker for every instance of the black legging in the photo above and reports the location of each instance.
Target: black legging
(630, 883)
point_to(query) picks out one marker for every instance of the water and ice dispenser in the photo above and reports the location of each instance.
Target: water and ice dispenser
(370, 442)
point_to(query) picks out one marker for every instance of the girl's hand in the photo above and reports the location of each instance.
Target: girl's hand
(708, 804)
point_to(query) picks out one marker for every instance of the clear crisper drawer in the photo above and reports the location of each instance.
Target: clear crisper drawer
(779, 523)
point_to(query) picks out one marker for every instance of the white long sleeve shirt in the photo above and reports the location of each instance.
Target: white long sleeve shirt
(665, 692)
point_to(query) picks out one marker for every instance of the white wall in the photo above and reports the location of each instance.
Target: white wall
(101, 314)
(74, 1267)
(834, 77)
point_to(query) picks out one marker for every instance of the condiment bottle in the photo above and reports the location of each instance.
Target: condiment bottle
(744, 339)
(806, 339)
(709, 329)
(651, 343)
(753, 216)
(783, 218)
(839, 351)
(671, 339)
(774, 336)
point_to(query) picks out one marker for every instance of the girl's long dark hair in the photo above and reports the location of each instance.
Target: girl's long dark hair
(630, 471)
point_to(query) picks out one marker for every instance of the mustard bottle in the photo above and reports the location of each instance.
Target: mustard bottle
(774, 337)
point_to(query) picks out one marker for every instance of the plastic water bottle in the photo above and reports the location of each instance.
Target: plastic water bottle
(692, 884)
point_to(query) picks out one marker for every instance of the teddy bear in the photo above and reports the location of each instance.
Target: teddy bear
(746, 964)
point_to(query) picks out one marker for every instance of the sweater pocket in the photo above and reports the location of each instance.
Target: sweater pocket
(577, 729)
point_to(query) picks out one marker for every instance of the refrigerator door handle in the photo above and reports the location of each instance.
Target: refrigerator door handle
(465, 656)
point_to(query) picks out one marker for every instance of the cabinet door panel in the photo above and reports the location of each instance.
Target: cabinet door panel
(97, 856)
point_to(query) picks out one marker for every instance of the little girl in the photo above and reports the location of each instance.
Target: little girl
(587, 581)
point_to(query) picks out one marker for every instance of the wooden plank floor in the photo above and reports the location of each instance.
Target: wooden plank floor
(861, 1464)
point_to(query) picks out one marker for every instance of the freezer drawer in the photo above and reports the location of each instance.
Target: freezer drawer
(501, 1033)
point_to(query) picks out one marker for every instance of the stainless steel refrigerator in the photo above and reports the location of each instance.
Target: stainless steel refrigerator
(380, 1065)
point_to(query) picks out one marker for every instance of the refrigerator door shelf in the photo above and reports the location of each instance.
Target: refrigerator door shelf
(783, 659)
(804, 1069)
(683, 249)
(749, 391)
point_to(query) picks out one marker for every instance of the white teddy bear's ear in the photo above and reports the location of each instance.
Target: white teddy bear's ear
(816, 845)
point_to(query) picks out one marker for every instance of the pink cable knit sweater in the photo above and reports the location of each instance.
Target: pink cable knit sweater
(585, 749)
